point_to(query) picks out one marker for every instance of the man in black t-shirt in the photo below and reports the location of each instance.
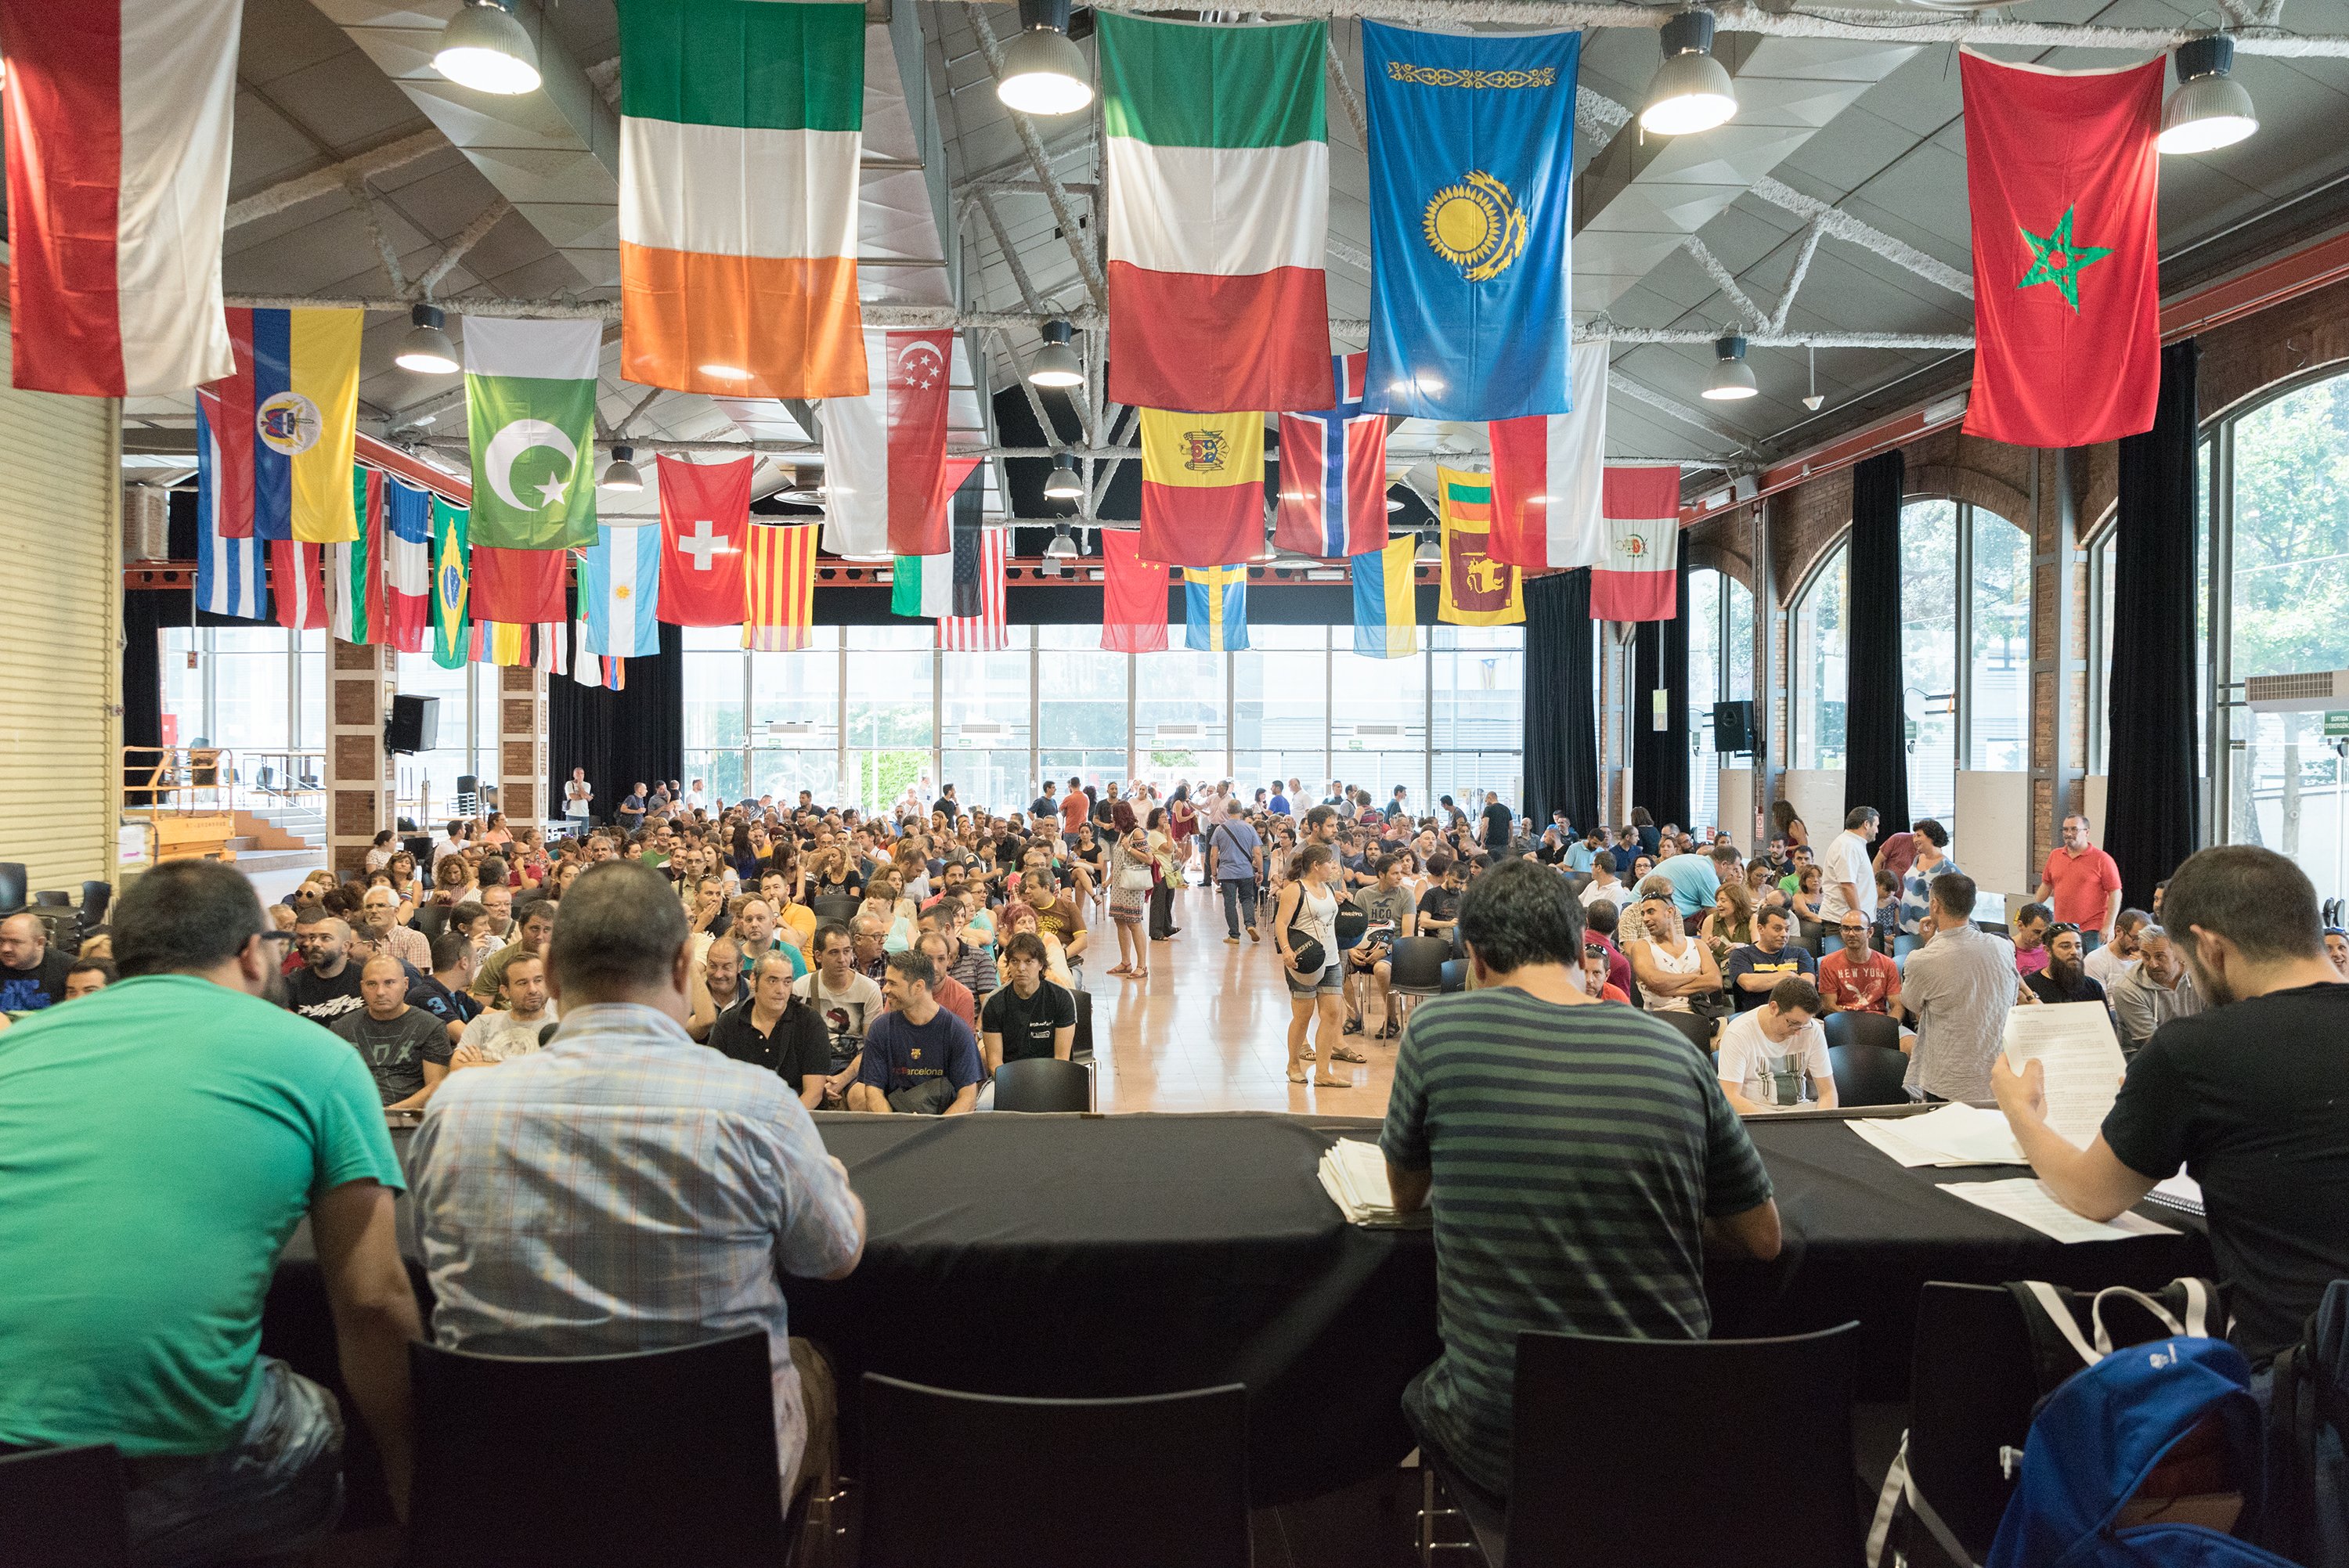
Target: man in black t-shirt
(326, 986)
(444, 993)
(1439, 906)
(2251, 1096)
(1031, 1018)
(32, 972)
(1496, 824)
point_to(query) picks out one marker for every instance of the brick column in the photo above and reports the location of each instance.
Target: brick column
(359, 769)
(522, 750)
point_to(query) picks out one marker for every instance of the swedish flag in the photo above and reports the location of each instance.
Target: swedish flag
(1216, 598)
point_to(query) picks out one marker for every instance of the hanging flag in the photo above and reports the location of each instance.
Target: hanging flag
(294, 586)
(1472, 164)
(549, 645)
(354, 610)
(518, 587)
(704, 517)
(408, 564)
(1217, 162)
(1133, 596)
(451, 586)
(595, 670)
(978, 625)
(1386, 600)
(1216, 609)
(778, 579)
(530, 404)
(500, 643)
(232, 573)
(1638, 581)
(2062, 182)
(620, 589)
(922, 585)
(885, 454)
(741, 123)
(1478, 590)
(1202, 487)
(118, 115)
(287, 422)
(1546, 476)
(1333, 473)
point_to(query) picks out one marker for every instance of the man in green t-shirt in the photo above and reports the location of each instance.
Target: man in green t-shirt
(159, 1142)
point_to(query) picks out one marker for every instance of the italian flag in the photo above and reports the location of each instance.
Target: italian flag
(1218, 156)
(355, 607)
(740, 125)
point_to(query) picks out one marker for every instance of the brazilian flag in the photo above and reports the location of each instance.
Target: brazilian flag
(451, 583)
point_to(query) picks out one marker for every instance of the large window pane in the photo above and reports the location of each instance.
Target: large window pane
(1080, 699)
(891, 729)
(1478, 675)
(1179, 729)
(1705, 651)
(983, 747)
(1928, 656)
(427, 781)
(1280, 708)
(714, 724)
(795, 719)
(1817, 665)
(2002, 645)
(1378, 726)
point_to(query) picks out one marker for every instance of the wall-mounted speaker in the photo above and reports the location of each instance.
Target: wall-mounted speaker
(1733, 726)
(414, 724)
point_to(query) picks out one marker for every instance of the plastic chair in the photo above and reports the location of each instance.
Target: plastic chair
(659, 1455)
(1159, 1482)
(1456, 975)
(1081, 1044)
(1415, 967)
(1904, 944)
(12, 886)
(1831, 941)
(62, 1508)
(832, 907)
(1846, 1028)
(1044, 1083)
(1698, 1031)
(97, 898)
(1868, 1075)
(53, 898)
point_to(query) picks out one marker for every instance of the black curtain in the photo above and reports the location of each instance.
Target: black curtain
(619, 737)
(1660, 757)
(1560, 700)
(1876, 717)
(2155, 789)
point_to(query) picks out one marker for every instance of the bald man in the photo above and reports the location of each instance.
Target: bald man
(406, 1049)
(326, 986)
(32, 972)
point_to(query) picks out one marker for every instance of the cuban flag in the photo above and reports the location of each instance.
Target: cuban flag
(232, 573)
(1333, 472)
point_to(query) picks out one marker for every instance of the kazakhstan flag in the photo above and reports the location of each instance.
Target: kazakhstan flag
(1472, 163)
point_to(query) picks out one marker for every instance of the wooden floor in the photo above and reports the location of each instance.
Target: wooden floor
(1208, 1029)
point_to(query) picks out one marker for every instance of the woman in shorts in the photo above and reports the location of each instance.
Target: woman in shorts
(1308, 907)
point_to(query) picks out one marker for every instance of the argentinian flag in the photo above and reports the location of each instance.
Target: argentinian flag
(621, 590)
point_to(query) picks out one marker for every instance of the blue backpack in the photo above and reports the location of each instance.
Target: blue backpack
(2097, 1439)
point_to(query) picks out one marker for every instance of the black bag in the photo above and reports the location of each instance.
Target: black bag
(1351, 926)
(1308, 958)
(2307, 1513)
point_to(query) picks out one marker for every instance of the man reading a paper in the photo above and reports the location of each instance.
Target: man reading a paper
(2252, 1097)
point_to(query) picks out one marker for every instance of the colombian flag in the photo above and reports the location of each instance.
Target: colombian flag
(1386, 608)
(1216, 601)
(287, 424)
(1478, 590)
(1202, 487)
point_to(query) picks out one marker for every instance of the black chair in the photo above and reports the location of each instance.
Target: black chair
(97, 898)
(1415, 966)
(1698, 1031)
(1081, 1044)
(1845, 1029)
(1970, 1395)
(1044, 1083)
(62, 1508)
(12, 886)
(1159, 1482)
(832, 907)
(1868, 1075)
(1456, 975)
(53, 898)
(660, 1456)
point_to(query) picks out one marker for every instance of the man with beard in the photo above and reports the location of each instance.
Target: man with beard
(327, 984)
(2065, 979)
(2158, 989)
(2252, 1097)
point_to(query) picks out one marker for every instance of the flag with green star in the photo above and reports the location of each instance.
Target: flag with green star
(2056, 258)
(530, 410)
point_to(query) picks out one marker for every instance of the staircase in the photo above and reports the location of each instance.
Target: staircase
(290, 837)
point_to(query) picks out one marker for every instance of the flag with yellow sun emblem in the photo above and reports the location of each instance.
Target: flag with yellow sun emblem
(620, 584)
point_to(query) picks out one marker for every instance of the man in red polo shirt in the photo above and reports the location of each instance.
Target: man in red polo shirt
(2081, 883)
(1856, 978)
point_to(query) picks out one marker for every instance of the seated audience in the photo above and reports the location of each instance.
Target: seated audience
(380, 918)
(1439, 905)
(1603, 921)
(843, 997)
(1752, 969)
(918, 1058)
(1855, 978)
(505, 1033)
(1029, 1017)
(326, 986)
(717, 985)
(32, 972)
(2065, 978)
(534, 927)
(443, 993)
(2031, 922)
(406, 1049)
(2108, 962)
(1670, 967)
(90, 976)
(776, 1030)
(2336, 953)
(1596, 958)
(2160, 987)
(1958, 987)
(1774, 1056)
(1056, 916)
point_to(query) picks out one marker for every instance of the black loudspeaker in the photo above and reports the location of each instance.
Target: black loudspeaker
(1733, 726)
(414, 724)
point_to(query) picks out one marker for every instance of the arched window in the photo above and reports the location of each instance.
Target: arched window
(1821, 635)
(1929, 655)
(1719, 669)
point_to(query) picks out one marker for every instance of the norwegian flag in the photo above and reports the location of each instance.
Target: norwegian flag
(1333, 473)
(978, 626)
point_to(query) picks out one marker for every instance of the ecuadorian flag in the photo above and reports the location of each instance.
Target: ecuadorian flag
(286, 425)
(1386, 605)
(1217, 597)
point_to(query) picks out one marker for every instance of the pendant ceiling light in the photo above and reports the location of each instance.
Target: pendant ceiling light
(485, 48)
(620, 473)
(1056, 363)
(1690, 92)
(1063, 482)
(1428, 549)
(1043, 72)
(425, 348)
(2210, 109)
(1732, 378)
(1059, 553)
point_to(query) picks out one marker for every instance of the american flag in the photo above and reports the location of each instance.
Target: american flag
(977, 627)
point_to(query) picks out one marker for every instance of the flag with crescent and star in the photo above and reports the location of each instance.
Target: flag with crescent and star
(705, 523)
(885, 454)
(530, 408)
(2062, 180)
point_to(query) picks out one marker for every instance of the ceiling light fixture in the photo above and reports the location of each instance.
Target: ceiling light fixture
(1690, 92)
(1063, 482)
(1394, 502)
(2210, 109)
(620, 473)
(1061, 551)
(1428, 550)
(425, 348)
(1043, 72)
(1813, 398)
(1732, 378)
(485, 47)
(1056, 363)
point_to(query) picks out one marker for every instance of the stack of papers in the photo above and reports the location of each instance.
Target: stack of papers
(2028, 1203)
(2080, 1057)
(1354, 1174)
(1953, 1135)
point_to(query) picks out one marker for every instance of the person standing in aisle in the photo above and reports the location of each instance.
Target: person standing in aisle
(1305, 936)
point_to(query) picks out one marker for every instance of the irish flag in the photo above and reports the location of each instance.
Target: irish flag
(1219, 211)
(741, 126)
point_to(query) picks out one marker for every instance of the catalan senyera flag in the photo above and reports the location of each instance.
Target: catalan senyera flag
(286, 423)
(1218, 212)
(355, 607)
(1202, 487)
(451, 586)
(1548, 475)
(1638, 580)
(1133, 596)
(1216, 609)
(294, 584)
(779, 583)
(741, 122)
(1478, 590)
(407, 565)
(1386, 600)
(1333, 472)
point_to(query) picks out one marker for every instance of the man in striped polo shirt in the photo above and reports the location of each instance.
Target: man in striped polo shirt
(1604, 1235)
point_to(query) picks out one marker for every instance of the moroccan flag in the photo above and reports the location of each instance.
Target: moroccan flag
(779, 580)
(1133, 596)
(1333, 472)
(1546, 476)
(520, 587)
(354, 609)
(619, 590)
(286, 420)
(451, 586)
(885, 454)
(705, 521)
(232, 570)
(408, 564)
(741, 126)
(1202, 487)
(1218, 159)
(1215, 617)
(1637, 580)
(1386, 600)
(1478, 590)
(530, 406)
(2061, 179)
(118, 115)
(294, 584)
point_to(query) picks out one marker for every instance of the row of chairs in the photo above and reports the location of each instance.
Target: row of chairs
(1865, 1048)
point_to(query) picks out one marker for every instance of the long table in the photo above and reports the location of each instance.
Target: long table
(1076, 1256)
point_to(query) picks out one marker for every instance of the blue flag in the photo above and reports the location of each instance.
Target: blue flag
(619, 590)
(1215, 600)
(1472, 163)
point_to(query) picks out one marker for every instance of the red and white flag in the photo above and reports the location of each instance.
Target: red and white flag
(705, 511)
(1548, 511)
(885, 454)
(1636, 580)
(296, 584)
(118, 115)
(979, 627)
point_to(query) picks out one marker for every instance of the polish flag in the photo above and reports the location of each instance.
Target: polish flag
(1636, 581)
(118, 115)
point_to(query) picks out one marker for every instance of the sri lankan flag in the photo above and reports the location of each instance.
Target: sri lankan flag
(778, 581)
(1478, 590)
(1202, 487)
(452, 643)
(1386, 606)
(1216, 601)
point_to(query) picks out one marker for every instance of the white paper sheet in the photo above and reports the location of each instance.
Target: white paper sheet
(2074, 1044)
(1885, 1136)
(2027, 1201)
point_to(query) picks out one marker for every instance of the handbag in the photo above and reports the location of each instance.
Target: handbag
(1134, 875)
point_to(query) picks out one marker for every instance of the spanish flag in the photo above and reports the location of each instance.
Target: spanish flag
(1478, 590)
(1202, 487)
(1386, 608)
(779, 580)
(1215, 598)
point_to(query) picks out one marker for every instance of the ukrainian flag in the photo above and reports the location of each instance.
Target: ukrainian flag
(1386, 605)
(1217, 597)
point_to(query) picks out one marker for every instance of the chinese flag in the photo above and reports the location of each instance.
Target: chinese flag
(2061, 179)
(1133, 596)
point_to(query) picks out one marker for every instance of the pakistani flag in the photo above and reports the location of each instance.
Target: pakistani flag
(922, 585)
(530, 404)
(620, 592)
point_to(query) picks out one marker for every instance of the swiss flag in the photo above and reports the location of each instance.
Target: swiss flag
(704, 522)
